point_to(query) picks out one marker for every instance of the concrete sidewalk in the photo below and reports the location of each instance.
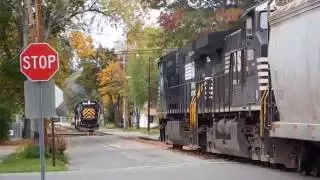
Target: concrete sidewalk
(132, 134)
(5, 151)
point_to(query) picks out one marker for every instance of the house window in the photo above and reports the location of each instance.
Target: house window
(151, 119)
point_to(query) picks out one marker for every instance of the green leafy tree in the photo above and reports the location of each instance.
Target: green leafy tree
(11, 80)
(138, 65)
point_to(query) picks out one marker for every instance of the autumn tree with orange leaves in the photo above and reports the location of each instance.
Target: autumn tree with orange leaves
(82, 44)
(112, 87)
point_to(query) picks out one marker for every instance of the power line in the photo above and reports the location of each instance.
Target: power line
(143, 51)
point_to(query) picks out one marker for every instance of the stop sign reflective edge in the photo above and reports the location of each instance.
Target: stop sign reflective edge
(39, 62)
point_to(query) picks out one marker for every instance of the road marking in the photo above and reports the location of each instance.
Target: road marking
(168, 166)
(114, 145)
(125, 169)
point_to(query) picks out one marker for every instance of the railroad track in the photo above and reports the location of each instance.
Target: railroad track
(70, 131)
(96, 133)
(210, 156)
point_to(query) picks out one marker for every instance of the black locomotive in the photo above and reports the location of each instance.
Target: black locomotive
(216, 95)
(86, 115)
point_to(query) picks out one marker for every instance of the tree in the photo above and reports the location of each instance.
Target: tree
(112, 87)
(141, 37)
(58, 17)
(82, 44)
(184, 24)
(11, 80)
(91, 62)
(185, 20)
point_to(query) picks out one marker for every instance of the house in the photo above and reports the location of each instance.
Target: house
(154, 122)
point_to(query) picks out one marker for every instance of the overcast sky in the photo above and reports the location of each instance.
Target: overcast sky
(106, 35)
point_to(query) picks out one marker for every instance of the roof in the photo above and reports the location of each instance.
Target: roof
(261, 6)
(292, 9)
(211, 41)
(61, 110)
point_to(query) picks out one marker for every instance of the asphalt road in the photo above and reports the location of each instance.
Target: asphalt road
(114, 158)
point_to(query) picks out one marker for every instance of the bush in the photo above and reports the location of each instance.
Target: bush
(4, 129)
(60, 144)
(4, 124)
(63, 157)
(32, 151)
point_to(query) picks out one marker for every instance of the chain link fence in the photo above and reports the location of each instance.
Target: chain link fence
(16, 130)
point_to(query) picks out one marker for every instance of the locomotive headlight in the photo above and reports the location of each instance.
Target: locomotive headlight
(208, 59)
(193, 2)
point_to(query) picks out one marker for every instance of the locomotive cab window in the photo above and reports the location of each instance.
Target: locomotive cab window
(249, 26)
(263, 20)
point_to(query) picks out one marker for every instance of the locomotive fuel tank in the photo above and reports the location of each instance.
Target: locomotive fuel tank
(294, 60)
(227, 137)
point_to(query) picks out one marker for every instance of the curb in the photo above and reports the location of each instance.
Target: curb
(128, 136)
(148, 138)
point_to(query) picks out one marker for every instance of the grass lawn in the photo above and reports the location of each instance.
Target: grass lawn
(109, 126)
(153, 131)
(17, 163)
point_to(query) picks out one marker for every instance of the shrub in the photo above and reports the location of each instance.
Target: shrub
(4, 124)
(60, 144)
(4, 129)
(63, 157)
(33, 151)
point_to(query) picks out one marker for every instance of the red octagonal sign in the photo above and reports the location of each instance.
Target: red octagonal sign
(39, 62)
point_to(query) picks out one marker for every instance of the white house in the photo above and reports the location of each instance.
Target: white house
(154, 122)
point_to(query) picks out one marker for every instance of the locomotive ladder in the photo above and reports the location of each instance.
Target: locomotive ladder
(264, 107)
(194, 106)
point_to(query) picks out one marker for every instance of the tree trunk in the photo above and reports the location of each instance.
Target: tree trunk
(137, 115)
(117, 111)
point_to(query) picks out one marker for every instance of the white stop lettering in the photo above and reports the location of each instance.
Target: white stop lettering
(42, 62)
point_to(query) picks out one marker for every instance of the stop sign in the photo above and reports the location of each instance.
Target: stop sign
(39, 62)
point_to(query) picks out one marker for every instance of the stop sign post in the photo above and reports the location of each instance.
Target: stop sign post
(39, 62)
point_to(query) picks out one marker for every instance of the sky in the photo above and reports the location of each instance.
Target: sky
(106, 35)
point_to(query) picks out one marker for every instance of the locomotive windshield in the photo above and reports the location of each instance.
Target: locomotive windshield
(264, 20)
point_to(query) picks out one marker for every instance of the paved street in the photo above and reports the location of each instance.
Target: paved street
(111, 157)
(5, 151)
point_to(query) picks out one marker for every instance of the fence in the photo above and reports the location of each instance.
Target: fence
(16, 130)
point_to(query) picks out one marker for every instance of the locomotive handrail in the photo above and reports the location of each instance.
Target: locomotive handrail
(216, 75)
(263, 109)
(193, 106)
(197, 82)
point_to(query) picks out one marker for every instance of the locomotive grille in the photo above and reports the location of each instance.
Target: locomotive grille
(263, 73)
(88, 113)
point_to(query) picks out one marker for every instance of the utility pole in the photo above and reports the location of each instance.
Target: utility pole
(25, 33)
(124, 98)
(26, 21)
(38, 19)
(149, 94)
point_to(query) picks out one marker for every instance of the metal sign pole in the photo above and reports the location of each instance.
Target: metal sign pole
(41, 136)
(53, 147)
